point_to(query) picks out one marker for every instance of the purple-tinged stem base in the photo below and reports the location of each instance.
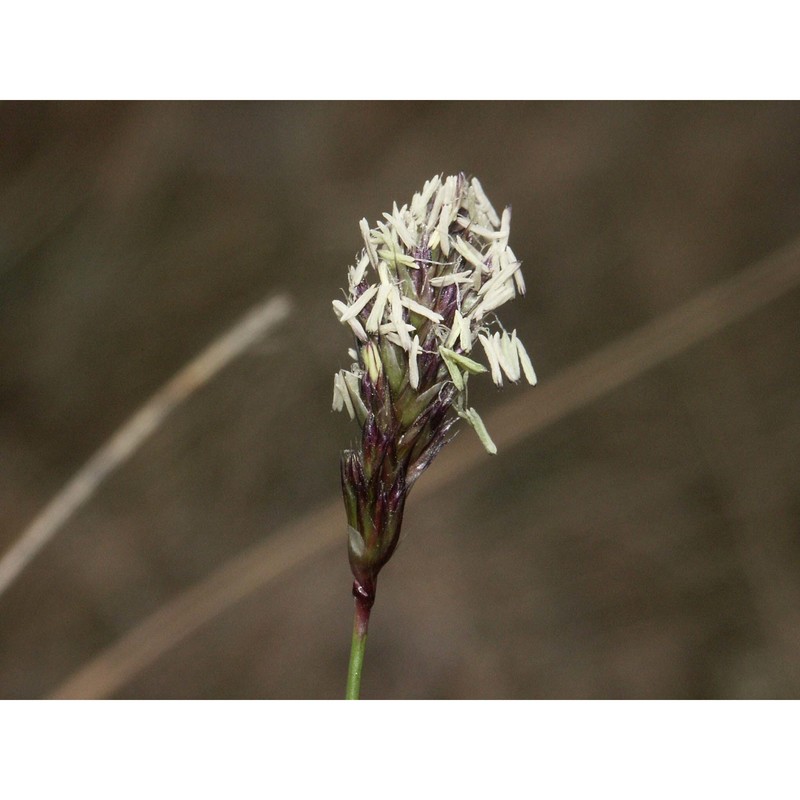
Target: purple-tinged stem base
(363, 607)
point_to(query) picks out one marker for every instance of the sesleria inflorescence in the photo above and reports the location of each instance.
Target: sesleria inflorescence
(421, 302)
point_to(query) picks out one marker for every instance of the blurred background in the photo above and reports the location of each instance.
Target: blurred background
(643, 545)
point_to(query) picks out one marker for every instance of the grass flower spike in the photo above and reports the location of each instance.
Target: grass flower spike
(421, 302)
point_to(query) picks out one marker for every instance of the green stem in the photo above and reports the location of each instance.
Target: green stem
(360, 624)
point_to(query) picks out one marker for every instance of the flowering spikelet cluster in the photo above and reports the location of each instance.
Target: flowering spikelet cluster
(420, 298)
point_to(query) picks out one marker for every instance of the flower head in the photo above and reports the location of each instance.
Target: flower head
(421, 296)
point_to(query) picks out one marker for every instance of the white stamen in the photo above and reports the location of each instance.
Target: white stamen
(433, 218)
(420, 203)
(383, 273)
(376, 315)
(491, 355)
(389, 327)
(511, 259)
(338, 397)
(417, 206)
(345, 393)
(453, 277)
(488, 285)
(455, 330)
(448, 214)
(413, 367)
(519, 281)
(469, 253)
(473, 367)
(483, 202)
(465, 337)
(358, 329)
(384, 235)
(485, 233)
(444, 239)
(496, 298)
(359, 304)
(527, 367)
(497, 342)
(371, 254)
(372, 361)
(474, 419)
(398, 258)
(423, 311)
(477, 276)
(396, 316)
(510, 361)
(402, 232)
(357, 273)
(505, 225)
(352, 382)
(464, 222)
(452, 368)
(339, 308)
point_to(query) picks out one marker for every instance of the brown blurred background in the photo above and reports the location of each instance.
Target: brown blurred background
(645, 545)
